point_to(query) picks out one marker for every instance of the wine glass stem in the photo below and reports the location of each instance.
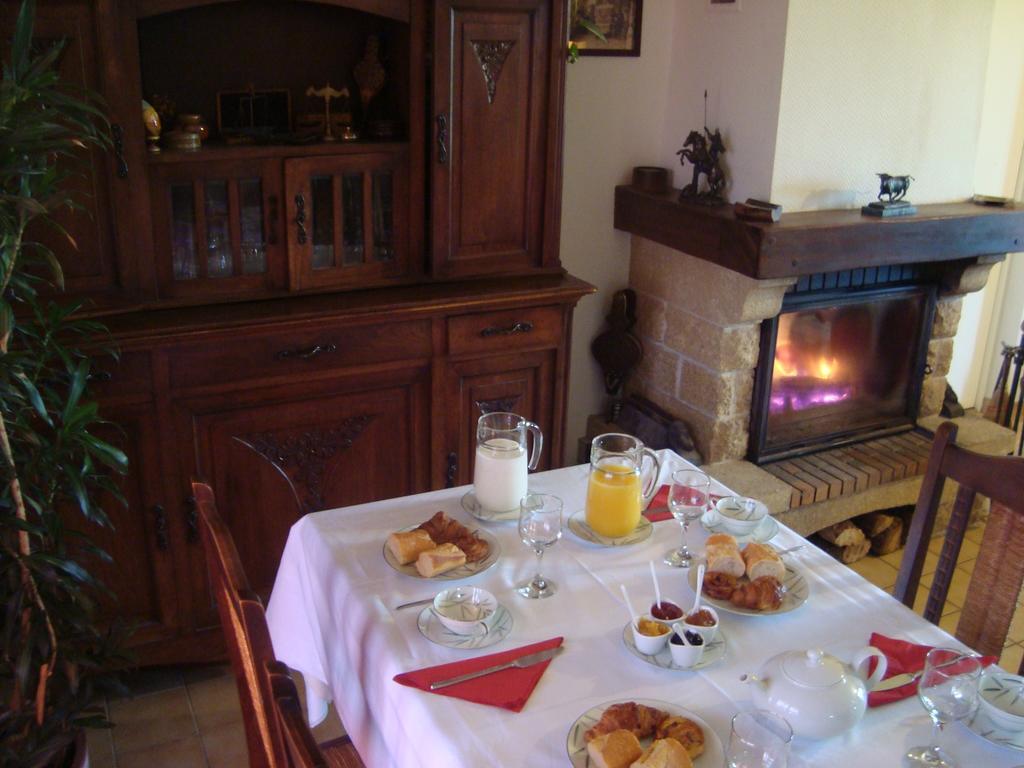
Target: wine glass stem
(685, 524)
(936, 730)
(538, 580)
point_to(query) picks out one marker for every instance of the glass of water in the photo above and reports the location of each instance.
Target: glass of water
(540, 526)
(758, 739)
(949, 691)
(687, 501)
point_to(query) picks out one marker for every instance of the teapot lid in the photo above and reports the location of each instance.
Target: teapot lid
(813, 669)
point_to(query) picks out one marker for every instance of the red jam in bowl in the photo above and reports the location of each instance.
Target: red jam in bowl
(666, 611)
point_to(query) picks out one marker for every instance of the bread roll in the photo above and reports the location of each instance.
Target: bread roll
(407, 545)
(762, 560)
(617, 749)
(437, 561)
(723, 555)
(664, 753)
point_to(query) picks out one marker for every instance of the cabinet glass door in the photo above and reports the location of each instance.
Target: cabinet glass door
(214, 228)
(346, 224)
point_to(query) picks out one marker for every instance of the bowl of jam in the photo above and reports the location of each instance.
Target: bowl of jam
(650, 635)
(704, 622)
(666, 611)
(686, 648)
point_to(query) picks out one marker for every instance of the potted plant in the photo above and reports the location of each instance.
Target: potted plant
(54, 656)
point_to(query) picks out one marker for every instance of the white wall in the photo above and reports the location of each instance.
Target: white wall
(880, 86)
(614, 119)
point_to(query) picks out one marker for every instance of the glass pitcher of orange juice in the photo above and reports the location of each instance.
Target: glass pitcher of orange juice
(617, 490)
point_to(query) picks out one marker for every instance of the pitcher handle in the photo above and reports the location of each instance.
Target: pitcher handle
(860, 666)
(651, 486)
(538, 443)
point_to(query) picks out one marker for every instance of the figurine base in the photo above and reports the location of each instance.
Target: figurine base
(886, 210)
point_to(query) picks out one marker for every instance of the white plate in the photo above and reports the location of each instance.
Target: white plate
(766, 531)
(578, 525)
(715, 651)
(796, 591)
(436, 632)
(462, 572)
(713, 755)
(471, 505)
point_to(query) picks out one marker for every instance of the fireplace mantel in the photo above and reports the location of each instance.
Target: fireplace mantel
(810, 242)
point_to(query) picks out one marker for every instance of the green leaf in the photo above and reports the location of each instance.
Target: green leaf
(22, 43)
(79, 378)
(34, 397)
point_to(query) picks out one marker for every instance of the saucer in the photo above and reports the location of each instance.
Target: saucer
(471, 505)
(432, 629)
(714, 651)
(982, 725)
(766, 531)
(578, 525)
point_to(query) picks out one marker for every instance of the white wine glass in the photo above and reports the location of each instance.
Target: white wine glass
(758, 739)
(687, 501)
(948, 689)
(540, 526)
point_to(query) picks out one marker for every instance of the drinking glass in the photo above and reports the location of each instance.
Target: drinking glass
(949, 691)
(687, 500)
(758, 739)
(540, 526)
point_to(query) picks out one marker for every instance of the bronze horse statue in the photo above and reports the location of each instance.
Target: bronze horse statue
(703, 150)
(894, 186)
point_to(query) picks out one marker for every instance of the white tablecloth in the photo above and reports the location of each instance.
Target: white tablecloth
(331, 618)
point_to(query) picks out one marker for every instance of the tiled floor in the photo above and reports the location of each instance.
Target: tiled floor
(190, 718)
(181, 717)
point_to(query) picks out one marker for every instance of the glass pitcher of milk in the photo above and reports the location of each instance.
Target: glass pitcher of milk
(499, 474)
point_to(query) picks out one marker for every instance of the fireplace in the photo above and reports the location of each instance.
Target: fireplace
(842, 362)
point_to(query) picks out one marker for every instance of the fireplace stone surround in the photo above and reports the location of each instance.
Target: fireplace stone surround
(706, 281)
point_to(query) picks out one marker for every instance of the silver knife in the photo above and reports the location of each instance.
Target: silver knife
(896, 681)
(522, 662)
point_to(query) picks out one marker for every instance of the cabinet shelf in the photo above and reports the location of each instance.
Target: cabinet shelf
(216, 151)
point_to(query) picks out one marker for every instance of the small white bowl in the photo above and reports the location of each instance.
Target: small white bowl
(1002, 697)
(650, 644)
(465, 610)
(740, 515)
(706, 633)
(685, 655)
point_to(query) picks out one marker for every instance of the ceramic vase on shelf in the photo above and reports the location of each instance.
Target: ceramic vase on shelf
(153, 126)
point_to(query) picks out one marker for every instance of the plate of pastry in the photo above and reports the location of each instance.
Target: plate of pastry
(441, 548)
(753, 581)
(642, 734)
(578, 525)
(713, 651)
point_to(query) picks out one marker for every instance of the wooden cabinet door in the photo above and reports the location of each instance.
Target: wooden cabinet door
(347, 219)
(497, 135)
(522, 383)
(217, 227)
(275, 454)
(90, 269)
(141, 574)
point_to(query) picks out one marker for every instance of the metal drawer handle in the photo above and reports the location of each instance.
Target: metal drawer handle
(452, 470)
(442, 138)
(117, 134)
(520, 327)
(300, 218)
(306, 354)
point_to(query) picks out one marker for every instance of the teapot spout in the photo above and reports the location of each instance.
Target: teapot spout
(752, 678)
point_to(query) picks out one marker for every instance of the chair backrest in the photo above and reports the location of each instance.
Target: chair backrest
(991, 598)
(245, 630)
(301, 746)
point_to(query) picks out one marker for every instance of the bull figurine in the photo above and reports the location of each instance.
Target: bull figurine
(894, 186)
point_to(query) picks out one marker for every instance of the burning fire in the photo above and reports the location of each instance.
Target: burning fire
(786, 367)
(800, 381)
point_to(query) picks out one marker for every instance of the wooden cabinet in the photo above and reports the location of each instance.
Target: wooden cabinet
(497, 77)
(303, 323)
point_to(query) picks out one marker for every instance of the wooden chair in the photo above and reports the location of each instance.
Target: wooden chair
(999, 569)
(301, 746)
(244, 624)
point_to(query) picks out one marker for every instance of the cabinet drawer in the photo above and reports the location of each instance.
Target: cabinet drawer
(501, 331)
(309, 350)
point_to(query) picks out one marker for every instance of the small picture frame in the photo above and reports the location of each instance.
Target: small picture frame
(618, 20)
(253, 114)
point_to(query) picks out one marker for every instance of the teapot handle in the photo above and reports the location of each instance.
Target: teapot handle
(861, 661)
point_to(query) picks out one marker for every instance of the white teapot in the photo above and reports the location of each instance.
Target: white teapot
(817, 693)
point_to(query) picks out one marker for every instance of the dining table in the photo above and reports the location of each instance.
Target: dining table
(333, 617)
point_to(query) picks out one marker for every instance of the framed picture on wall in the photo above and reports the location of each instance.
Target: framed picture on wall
(617, 20)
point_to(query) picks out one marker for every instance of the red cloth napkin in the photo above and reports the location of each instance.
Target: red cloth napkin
(657, 510)
(903, 657)
(508, 689)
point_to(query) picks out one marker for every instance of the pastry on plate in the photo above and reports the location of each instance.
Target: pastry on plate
(444, 530)
(664, 753)
(615, 749)
(762, 594)
(688, 733)
(763, 560)
(407, 545)
(719, 586)
(434, 562)
(641, 720)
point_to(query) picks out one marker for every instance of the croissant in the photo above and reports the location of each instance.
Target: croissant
(445, 530)
(638, 718)
(761, 594)
(719, 586)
